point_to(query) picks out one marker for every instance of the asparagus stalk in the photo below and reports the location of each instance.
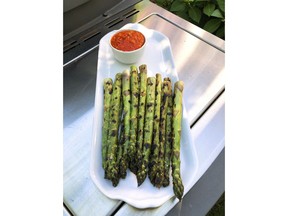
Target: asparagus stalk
(166, 93)
(155, 144)
(178, 187)
(108, 88)
(168, 137)
(112, 168)
(148, 130)
(126, 115)
(141, 115)
(133, 120)
(121, 140)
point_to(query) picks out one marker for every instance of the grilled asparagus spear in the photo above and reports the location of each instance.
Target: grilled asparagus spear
(126, 115)
(155, 144)
(133, 120)
(108, 89)
(168, 136)
(178, 187)
(148, 130)
(121, 140)
(141, 115)
(112, 168)
(166, 93)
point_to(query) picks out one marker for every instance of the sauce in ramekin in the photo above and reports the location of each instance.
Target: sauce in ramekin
(128, 40)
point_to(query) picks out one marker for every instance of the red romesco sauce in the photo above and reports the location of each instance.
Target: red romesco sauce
(127, 40)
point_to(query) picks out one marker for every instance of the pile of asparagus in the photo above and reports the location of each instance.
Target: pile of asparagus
(142, 128)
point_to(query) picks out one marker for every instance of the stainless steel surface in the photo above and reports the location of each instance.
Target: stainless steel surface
(201, 198)
(200, 65)
(87, 36)
(71, 4)
(81, 12)
(81, 33)
(66, 212)
(199, 60)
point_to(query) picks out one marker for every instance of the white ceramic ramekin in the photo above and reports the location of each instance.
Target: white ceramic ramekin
(128, 57)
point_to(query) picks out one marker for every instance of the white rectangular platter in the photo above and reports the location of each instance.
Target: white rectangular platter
(159, 59)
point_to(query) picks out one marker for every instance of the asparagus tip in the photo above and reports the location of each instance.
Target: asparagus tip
(167, 79)
(133, 68)
(108, 81)
(179, 85)
(126, 73)
(143, 68)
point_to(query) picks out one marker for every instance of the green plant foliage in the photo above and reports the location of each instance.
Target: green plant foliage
(220, 32)
(212, 25)
(160, 2)
(209, 9)
(195, 14)
(178, 6)
(207, 14)
(217, 13)
(183, 14)
(221, 5)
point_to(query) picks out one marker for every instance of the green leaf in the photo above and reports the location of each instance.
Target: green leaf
(182, 14)
(217, 13)
(212, 25)
(200, 3)
(208, 9)
(160, 2)
(221, 32)
(195, 14)
(221, 5)
(178, 6)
